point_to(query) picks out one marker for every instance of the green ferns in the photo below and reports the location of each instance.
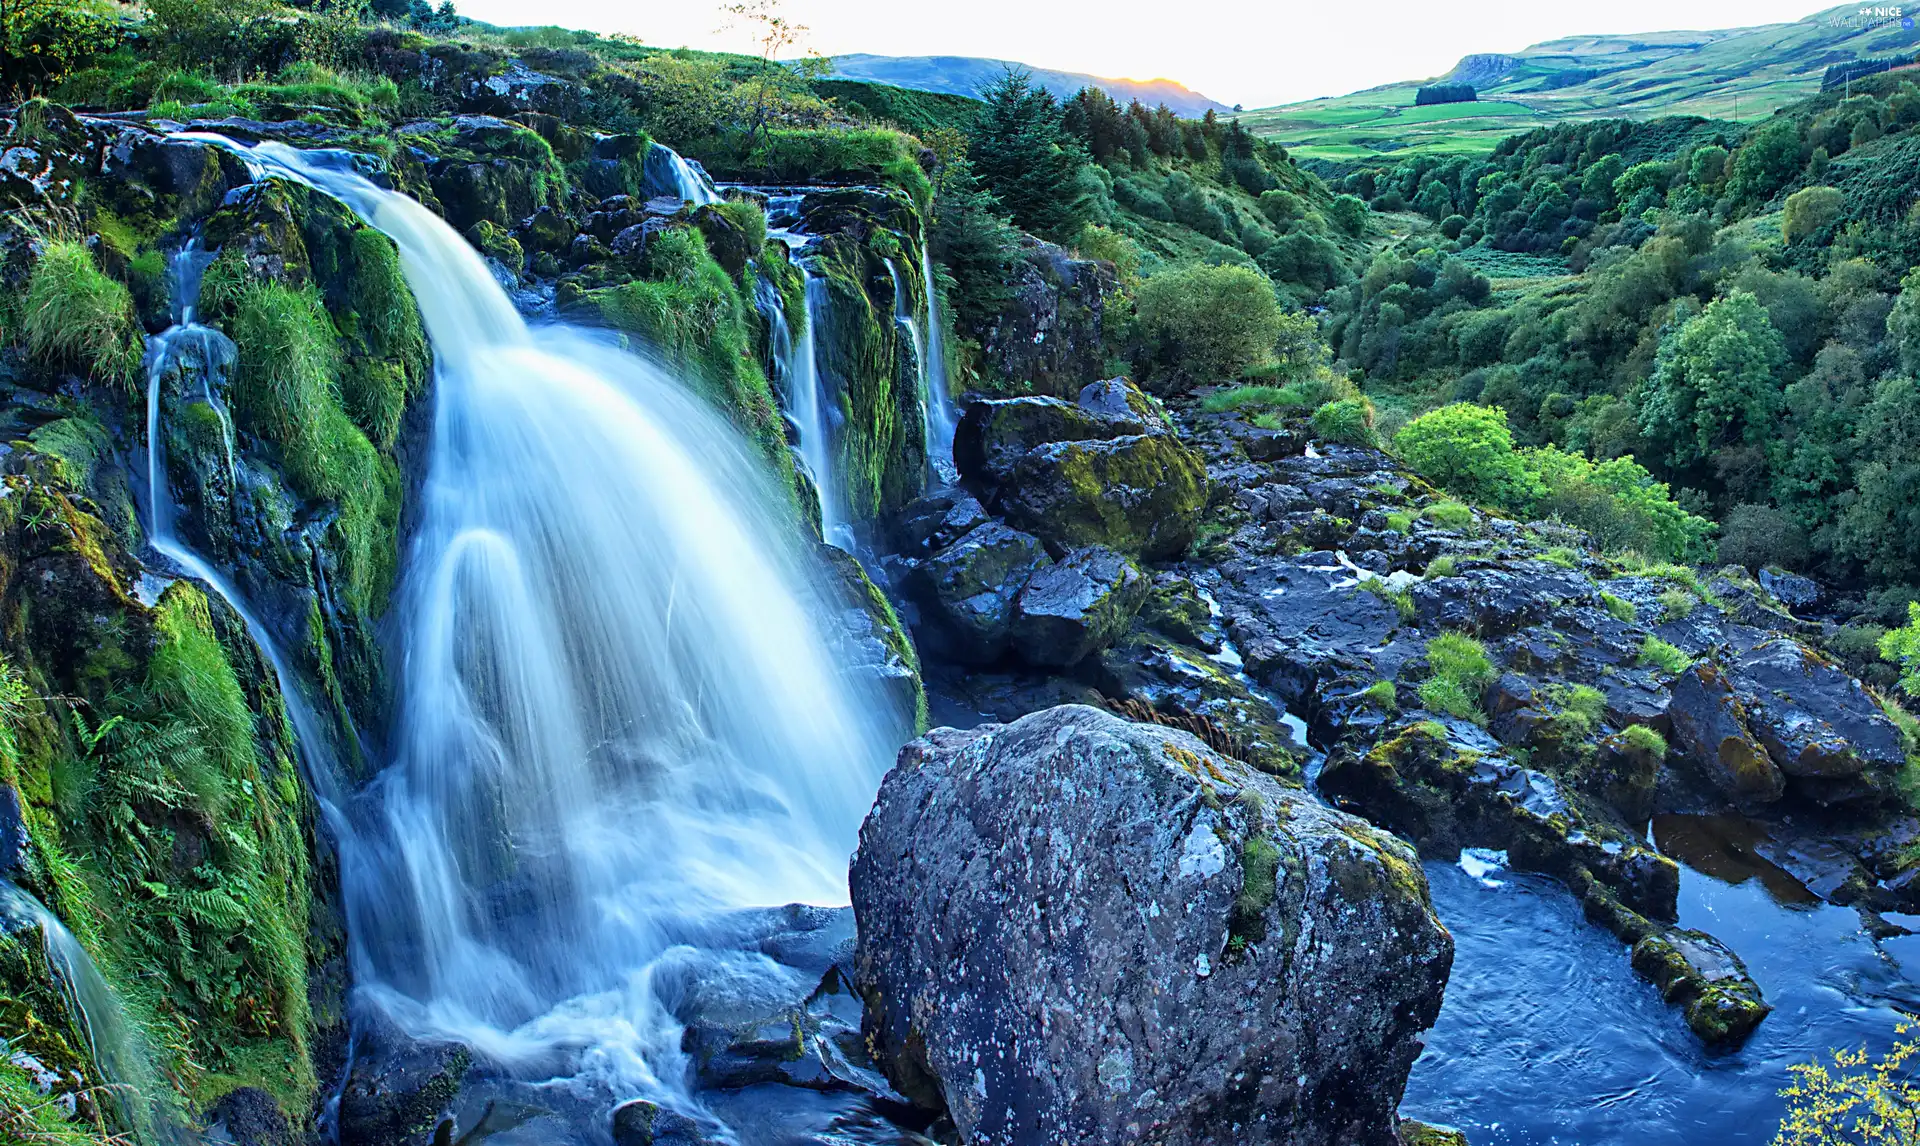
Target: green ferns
(284, 392)
(74, 315)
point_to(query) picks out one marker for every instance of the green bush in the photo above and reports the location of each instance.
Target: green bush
(1201, 324)
(1901, 646)
(1442, 566)
(74, 315)
(1676, 603)
(1468, 449)
(1348, 421)
(1811, 210)
(1663, 656)
(1756, 536)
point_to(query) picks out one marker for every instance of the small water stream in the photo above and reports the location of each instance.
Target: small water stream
(1548, 1036)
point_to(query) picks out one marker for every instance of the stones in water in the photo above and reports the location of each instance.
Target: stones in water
(1081, 928)
(1706, 980)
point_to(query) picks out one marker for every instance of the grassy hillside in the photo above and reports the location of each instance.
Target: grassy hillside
(1740, 73)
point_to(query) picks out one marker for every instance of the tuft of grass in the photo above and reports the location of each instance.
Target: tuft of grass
(1621, 608)
(1442, 566)
(1348, 421)
(1562, 556)
(1461, 673)
(377, 386)
(1452, 515)
(76, 315)
(1400, 522)
(1381, 695)
(1676, 603)
(750, 219)
(1663, 656)
(1640, 738)
(1259, 886)
(1400, 599)
(1581, 708)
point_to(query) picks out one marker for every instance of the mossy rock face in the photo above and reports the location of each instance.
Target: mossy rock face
(1425, 1134)
(1140, 495)
(1699, 974)
(967, 590)
(881, 441)
(1165, 682)
(884, 652)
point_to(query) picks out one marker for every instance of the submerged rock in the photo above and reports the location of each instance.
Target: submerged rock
(1078, 929)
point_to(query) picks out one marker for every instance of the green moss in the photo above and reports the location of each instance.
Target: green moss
(393, 364)
(283, 391)
(30, 1118)
(75, 316)
(881, 444)
(1400, 522)
(1640, 738)
(1400, 599)
(833, 155)
(751, 220)
(1661, 655)
(1677, 603)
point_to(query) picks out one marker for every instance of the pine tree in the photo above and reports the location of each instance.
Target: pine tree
(1021, 152)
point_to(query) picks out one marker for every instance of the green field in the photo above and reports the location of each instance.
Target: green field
(1739, 73)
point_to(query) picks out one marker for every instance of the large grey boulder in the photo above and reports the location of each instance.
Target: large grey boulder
(1075, 929)
(1711, 730)
(1814, 718)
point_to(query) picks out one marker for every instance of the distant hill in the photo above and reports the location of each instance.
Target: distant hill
(1734, 72)
(967, 75)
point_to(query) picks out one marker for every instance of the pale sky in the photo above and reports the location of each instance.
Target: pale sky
(1236, 51)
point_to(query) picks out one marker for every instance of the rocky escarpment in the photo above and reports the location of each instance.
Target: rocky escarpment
(1082, 929)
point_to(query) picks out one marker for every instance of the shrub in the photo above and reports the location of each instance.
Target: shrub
(1621, 608)
(1810, 211)
(1562, 556)
(1452, 225)
(1902, 647)
(1449, 515)
(1755, 536)
(1858, 1099)
(1663, 656)
(1349, 213)
(1348, 421)
(1469, 450)
(1203, 323)
(1461, 673)
(75, 315)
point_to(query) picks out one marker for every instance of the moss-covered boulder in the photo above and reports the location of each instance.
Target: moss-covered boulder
(1140, 495)
(966, 591)
(1706, 980)
(1077, 606)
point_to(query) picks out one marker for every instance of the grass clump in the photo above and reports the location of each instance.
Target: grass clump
(1400, 599)
(1640, 738)
(1381, 695)
(1461, 673)
(1562, 556)
(1579, 708)
(1348, 421)
(1400, 522)
(1444, 565)
(1259, 886)
(75, 315)
(1677, 603)
(750, 219)
(1619, 607)
(377, 384)
(1452, 515)
(1663, 656)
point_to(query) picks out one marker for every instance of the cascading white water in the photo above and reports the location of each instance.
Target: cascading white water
(942, 417)
(807, 390)
(692, 183)
(115, 1045)
(620, 723)
(936, 406)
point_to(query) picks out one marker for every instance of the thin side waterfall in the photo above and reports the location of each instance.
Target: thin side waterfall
(620, 727)
(796, 377)
(689, 180)
(942, 417)
(116, 1046)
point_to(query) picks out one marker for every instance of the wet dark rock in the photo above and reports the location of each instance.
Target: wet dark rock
(1077, 922)
(250, 1116)
(1815, 720)
(1495, 601)
(1710, 729)
(1166, 682)
(1626, 775)
(1140, 495)
(1076, 606)
(725, 240)
(643, 1123)
(1303, 624)
(1703, 977)
(966, 591)
(994, 434)
(1791, 589)
(398, 1088)
(13, 832)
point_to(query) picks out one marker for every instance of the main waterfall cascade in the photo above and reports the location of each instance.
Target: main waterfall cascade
(620, 726)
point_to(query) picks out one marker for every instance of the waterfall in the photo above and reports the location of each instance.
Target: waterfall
(807, 390)
(666, 168)
(942, 417)
(936, 406)
(116, 1046)
(620, 726)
